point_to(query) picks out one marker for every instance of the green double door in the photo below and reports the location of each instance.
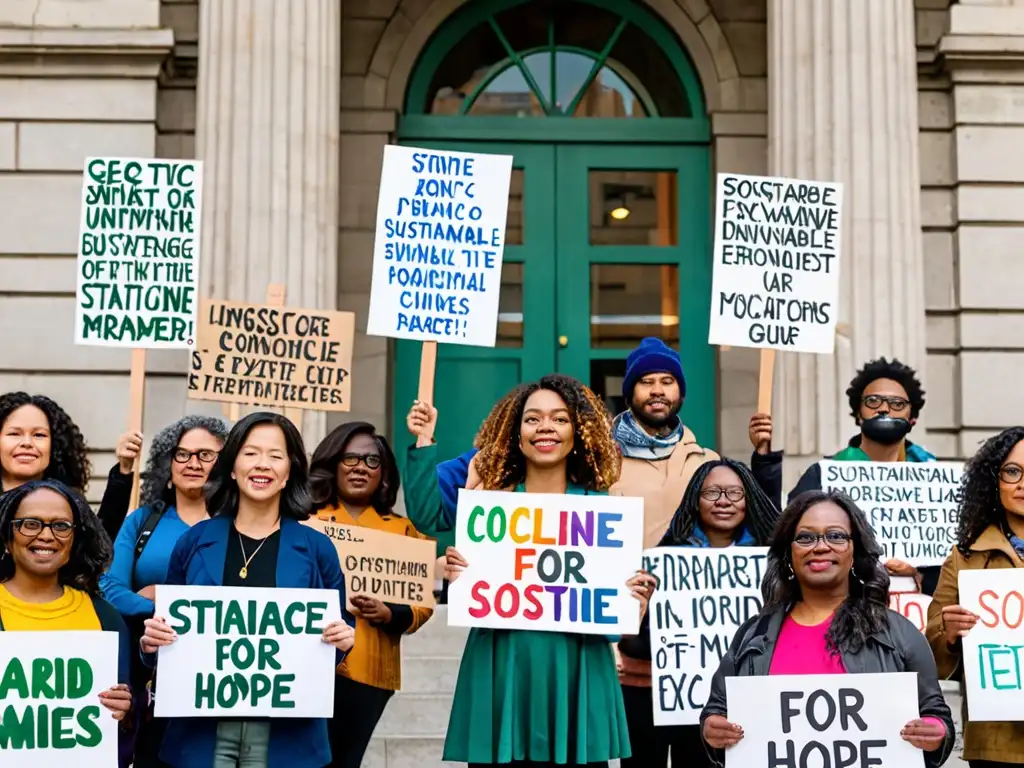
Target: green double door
(605, 245)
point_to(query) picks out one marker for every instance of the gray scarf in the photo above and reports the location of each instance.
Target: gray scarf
(637, 443)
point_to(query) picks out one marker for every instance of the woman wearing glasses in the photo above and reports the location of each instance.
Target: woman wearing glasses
(354, 481)
(990, 535)
(826, 612)
(172, 497)
(723, 506)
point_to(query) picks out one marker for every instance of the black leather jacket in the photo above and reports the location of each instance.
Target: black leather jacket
(900, 647)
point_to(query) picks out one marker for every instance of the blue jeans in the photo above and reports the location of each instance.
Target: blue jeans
(242, 744)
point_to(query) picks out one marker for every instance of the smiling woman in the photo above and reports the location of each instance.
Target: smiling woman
(38, 439)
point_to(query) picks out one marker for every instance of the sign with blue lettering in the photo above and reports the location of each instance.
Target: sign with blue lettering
(438, 247)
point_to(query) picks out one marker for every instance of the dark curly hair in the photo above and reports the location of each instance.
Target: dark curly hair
(69, 457)
(155, 494)
(594, 462)
(866, 608)
(221, 490)
(980, 506)
(484, 435)
(90, 549)
(759, 520)
(323, 469)
(881, 368)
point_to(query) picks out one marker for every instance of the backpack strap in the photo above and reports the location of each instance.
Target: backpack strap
(148, 526)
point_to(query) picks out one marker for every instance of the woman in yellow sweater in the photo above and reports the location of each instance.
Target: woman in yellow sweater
(354, 480)
(53, 552)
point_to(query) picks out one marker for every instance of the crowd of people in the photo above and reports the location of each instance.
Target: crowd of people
(223, 506)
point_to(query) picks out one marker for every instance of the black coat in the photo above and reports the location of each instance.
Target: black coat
(899, 647)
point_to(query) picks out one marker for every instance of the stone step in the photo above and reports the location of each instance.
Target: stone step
(436, 639)
(429, 674)
(406, 752)
(416, 714)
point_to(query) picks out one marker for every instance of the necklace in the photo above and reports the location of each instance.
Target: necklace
(244, 572)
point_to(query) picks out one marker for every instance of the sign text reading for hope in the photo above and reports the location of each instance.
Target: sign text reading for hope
(703, 597)
(138, 253)
(823, 721)
(439, 244)
(547, 562)
(776, 273)
(50, 712)
(993, 651)
(911, 506)
(247, 652)
(273, 356)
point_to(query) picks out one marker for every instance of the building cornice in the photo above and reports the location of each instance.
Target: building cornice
(94, 53)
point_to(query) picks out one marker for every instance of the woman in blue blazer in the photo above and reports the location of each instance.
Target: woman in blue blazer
(258, 495)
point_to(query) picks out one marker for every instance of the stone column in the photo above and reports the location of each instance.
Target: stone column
(267, 127)
(843, 107)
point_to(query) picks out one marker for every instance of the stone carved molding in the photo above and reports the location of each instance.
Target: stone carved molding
(100, 53)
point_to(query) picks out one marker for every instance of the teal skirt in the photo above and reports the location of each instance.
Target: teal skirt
(537, 696)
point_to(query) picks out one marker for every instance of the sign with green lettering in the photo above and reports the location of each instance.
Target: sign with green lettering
(246, 652)
(50, 711)
(138, 253)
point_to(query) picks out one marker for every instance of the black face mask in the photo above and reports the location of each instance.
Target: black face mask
(885, 430)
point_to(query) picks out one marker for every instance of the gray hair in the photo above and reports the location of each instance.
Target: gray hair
(157, 474)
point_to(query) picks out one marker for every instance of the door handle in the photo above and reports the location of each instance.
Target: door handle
(563, 341)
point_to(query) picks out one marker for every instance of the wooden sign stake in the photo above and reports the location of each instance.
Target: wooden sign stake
(428, 365)
(137, 398)
(765, 381)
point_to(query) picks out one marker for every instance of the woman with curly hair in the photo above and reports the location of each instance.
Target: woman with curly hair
(723, 506)
(39, 440)
(540, 698)
(990, 535)
(826, 611)
(53, 553)
(172, 497)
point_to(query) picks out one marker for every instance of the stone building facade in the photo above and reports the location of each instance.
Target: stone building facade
(917, 106)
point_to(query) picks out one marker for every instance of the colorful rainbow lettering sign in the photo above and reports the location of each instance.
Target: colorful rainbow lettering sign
(547, 562)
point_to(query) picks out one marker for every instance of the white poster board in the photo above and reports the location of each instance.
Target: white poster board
(912, 506)
(138, 253)
(50, 711)
(246, 652)
(993, 651)
(703, 597)
(438, 248)
(913, 606)
(547, 562)
(823, 720)
(776, 263)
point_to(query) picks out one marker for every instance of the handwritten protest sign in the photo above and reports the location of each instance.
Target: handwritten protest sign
(913, 606)
(50, 712)
(547, 562)
(138, 253)
(823, 720)
(273, 356)
(247, 652)
(776, 263)
(911, 506)
(703, 597)
(439, 244)
(993, 651)
(388, 566)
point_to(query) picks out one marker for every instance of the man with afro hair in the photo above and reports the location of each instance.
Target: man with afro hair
(885, 399)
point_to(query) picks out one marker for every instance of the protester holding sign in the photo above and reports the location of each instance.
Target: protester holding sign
(826, 612)
(179, 464)
(258, 494)
(990, 536)
(723, 506)
(354, 481)
(53, 553)
(39, 440)
(539, 697)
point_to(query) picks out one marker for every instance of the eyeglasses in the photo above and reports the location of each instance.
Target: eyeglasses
(205, 456)
(837, 540)
(874, 402)
(1011, 473)
(733, 493)
(371, 460)
(32, 527)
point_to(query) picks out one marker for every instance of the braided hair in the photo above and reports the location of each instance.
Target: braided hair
(980, 506)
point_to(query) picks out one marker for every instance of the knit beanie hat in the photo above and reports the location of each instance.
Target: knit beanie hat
(652, 356)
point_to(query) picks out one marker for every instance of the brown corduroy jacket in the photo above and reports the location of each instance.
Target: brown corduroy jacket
(996, 742)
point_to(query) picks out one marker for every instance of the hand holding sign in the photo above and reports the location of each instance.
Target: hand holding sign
(340, 635)
(118, 700)
(157, 633)
(957, 622)
(924, 734)
(422, 421)
(642, 586)
(720, 733)
(370, 608)
(129, 446)
(454, 564)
